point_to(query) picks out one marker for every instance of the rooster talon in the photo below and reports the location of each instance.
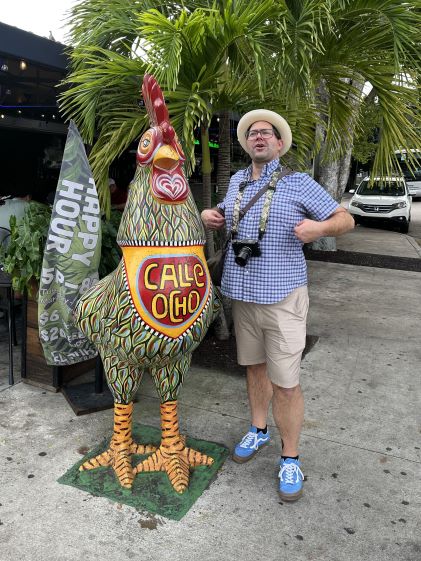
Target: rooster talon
(103, 459)
(118, 460)
(122, 447)
(176, 462)
(142, 448)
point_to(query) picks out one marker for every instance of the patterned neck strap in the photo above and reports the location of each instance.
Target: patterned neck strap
(239, 214)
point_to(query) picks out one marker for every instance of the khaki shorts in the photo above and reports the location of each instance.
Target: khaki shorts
(274, 334)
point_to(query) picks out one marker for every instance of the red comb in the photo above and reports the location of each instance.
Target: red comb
(156, 108)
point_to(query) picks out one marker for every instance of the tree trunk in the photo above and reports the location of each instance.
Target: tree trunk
(222, 324)
(333, 175)
(325, 174)
(344, 170)
(206, 184)
(224, 154)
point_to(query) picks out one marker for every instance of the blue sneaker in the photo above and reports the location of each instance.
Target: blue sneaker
(250, 445)
(290, 480)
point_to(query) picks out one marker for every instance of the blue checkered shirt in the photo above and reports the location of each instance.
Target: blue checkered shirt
(281, 268)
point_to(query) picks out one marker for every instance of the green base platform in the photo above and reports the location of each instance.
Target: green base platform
(151, 491)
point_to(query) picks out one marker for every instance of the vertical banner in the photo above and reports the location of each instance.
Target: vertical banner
(71, 257)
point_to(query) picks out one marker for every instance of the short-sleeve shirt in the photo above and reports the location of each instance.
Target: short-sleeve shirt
(281, 267)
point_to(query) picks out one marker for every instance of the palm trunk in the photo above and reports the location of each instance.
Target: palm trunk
(206, 184)
(328, 178)
(333, 174)
(224, 154)
(324, 173)
(344, 170)
(221, 328)
(222, 324)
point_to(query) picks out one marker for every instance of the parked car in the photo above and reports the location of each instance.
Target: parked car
(386, 199)
(413, 180)
(411, 171)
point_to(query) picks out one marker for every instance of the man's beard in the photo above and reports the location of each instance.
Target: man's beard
(261, 158)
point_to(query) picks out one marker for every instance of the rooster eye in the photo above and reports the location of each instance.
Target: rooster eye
(145, 142)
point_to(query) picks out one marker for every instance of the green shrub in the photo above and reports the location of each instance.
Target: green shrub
(23, 257)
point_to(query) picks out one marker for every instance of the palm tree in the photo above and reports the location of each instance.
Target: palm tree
(330, 50)
(199, 56)
(209, 51)
(307, 59)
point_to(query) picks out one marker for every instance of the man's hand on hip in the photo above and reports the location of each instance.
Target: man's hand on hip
(308, 230)
(339, 222)
(212, 219)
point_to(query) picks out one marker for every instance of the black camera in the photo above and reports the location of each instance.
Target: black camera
(244, 249)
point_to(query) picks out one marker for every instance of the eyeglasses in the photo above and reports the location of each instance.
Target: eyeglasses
(264, 133)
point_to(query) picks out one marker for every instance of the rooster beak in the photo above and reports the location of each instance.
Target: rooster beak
(166, 158)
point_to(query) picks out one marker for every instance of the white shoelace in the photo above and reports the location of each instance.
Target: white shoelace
(290, 474)
(251, 440)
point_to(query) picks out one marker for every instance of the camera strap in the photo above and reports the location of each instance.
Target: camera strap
(270, 187)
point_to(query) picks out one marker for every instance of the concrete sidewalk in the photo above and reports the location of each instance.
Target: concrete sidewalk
(367, 239)
(361, 450)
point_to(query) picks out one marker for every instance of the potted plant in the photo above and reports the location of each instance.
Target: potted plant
(22, 259)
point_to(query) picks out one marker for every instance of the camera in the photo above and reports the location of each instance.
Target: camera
(244, 249)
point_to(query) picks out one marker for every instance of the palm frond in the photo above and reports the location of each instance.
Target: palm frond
(397, 25)
(301, 32)
(164, 44)
(103, 79)
(123, 129)
(188, 108)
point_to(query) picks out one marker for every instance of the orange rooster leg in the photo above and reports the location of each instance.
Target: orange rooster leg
(173, 456)
(122, 446)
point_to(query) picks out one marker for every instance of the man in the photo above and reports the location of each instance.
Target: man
(269, 291)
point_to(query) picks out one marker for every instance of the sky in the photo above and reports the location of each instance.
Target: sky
(37, 17)
(46, 16)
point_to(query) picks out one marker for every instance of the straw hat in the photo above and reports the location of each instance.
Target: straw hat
(270, 117)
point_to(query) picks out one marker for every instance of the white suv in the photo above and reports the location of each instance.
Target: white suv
(387, 199)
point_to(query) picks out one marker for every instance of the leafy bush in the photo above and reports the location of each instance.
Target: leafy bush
(23, 257)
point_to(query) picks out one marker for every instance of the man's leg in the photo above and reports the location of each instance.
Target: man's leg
(251, 352)
(288, 412)
(259, 389)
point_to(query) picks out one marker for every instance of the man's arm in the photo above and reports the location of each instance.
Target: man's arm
(339, 222)
(213, 218)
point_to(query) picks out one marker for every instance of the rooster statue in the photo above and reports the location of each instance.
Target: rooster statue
(155, 308)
